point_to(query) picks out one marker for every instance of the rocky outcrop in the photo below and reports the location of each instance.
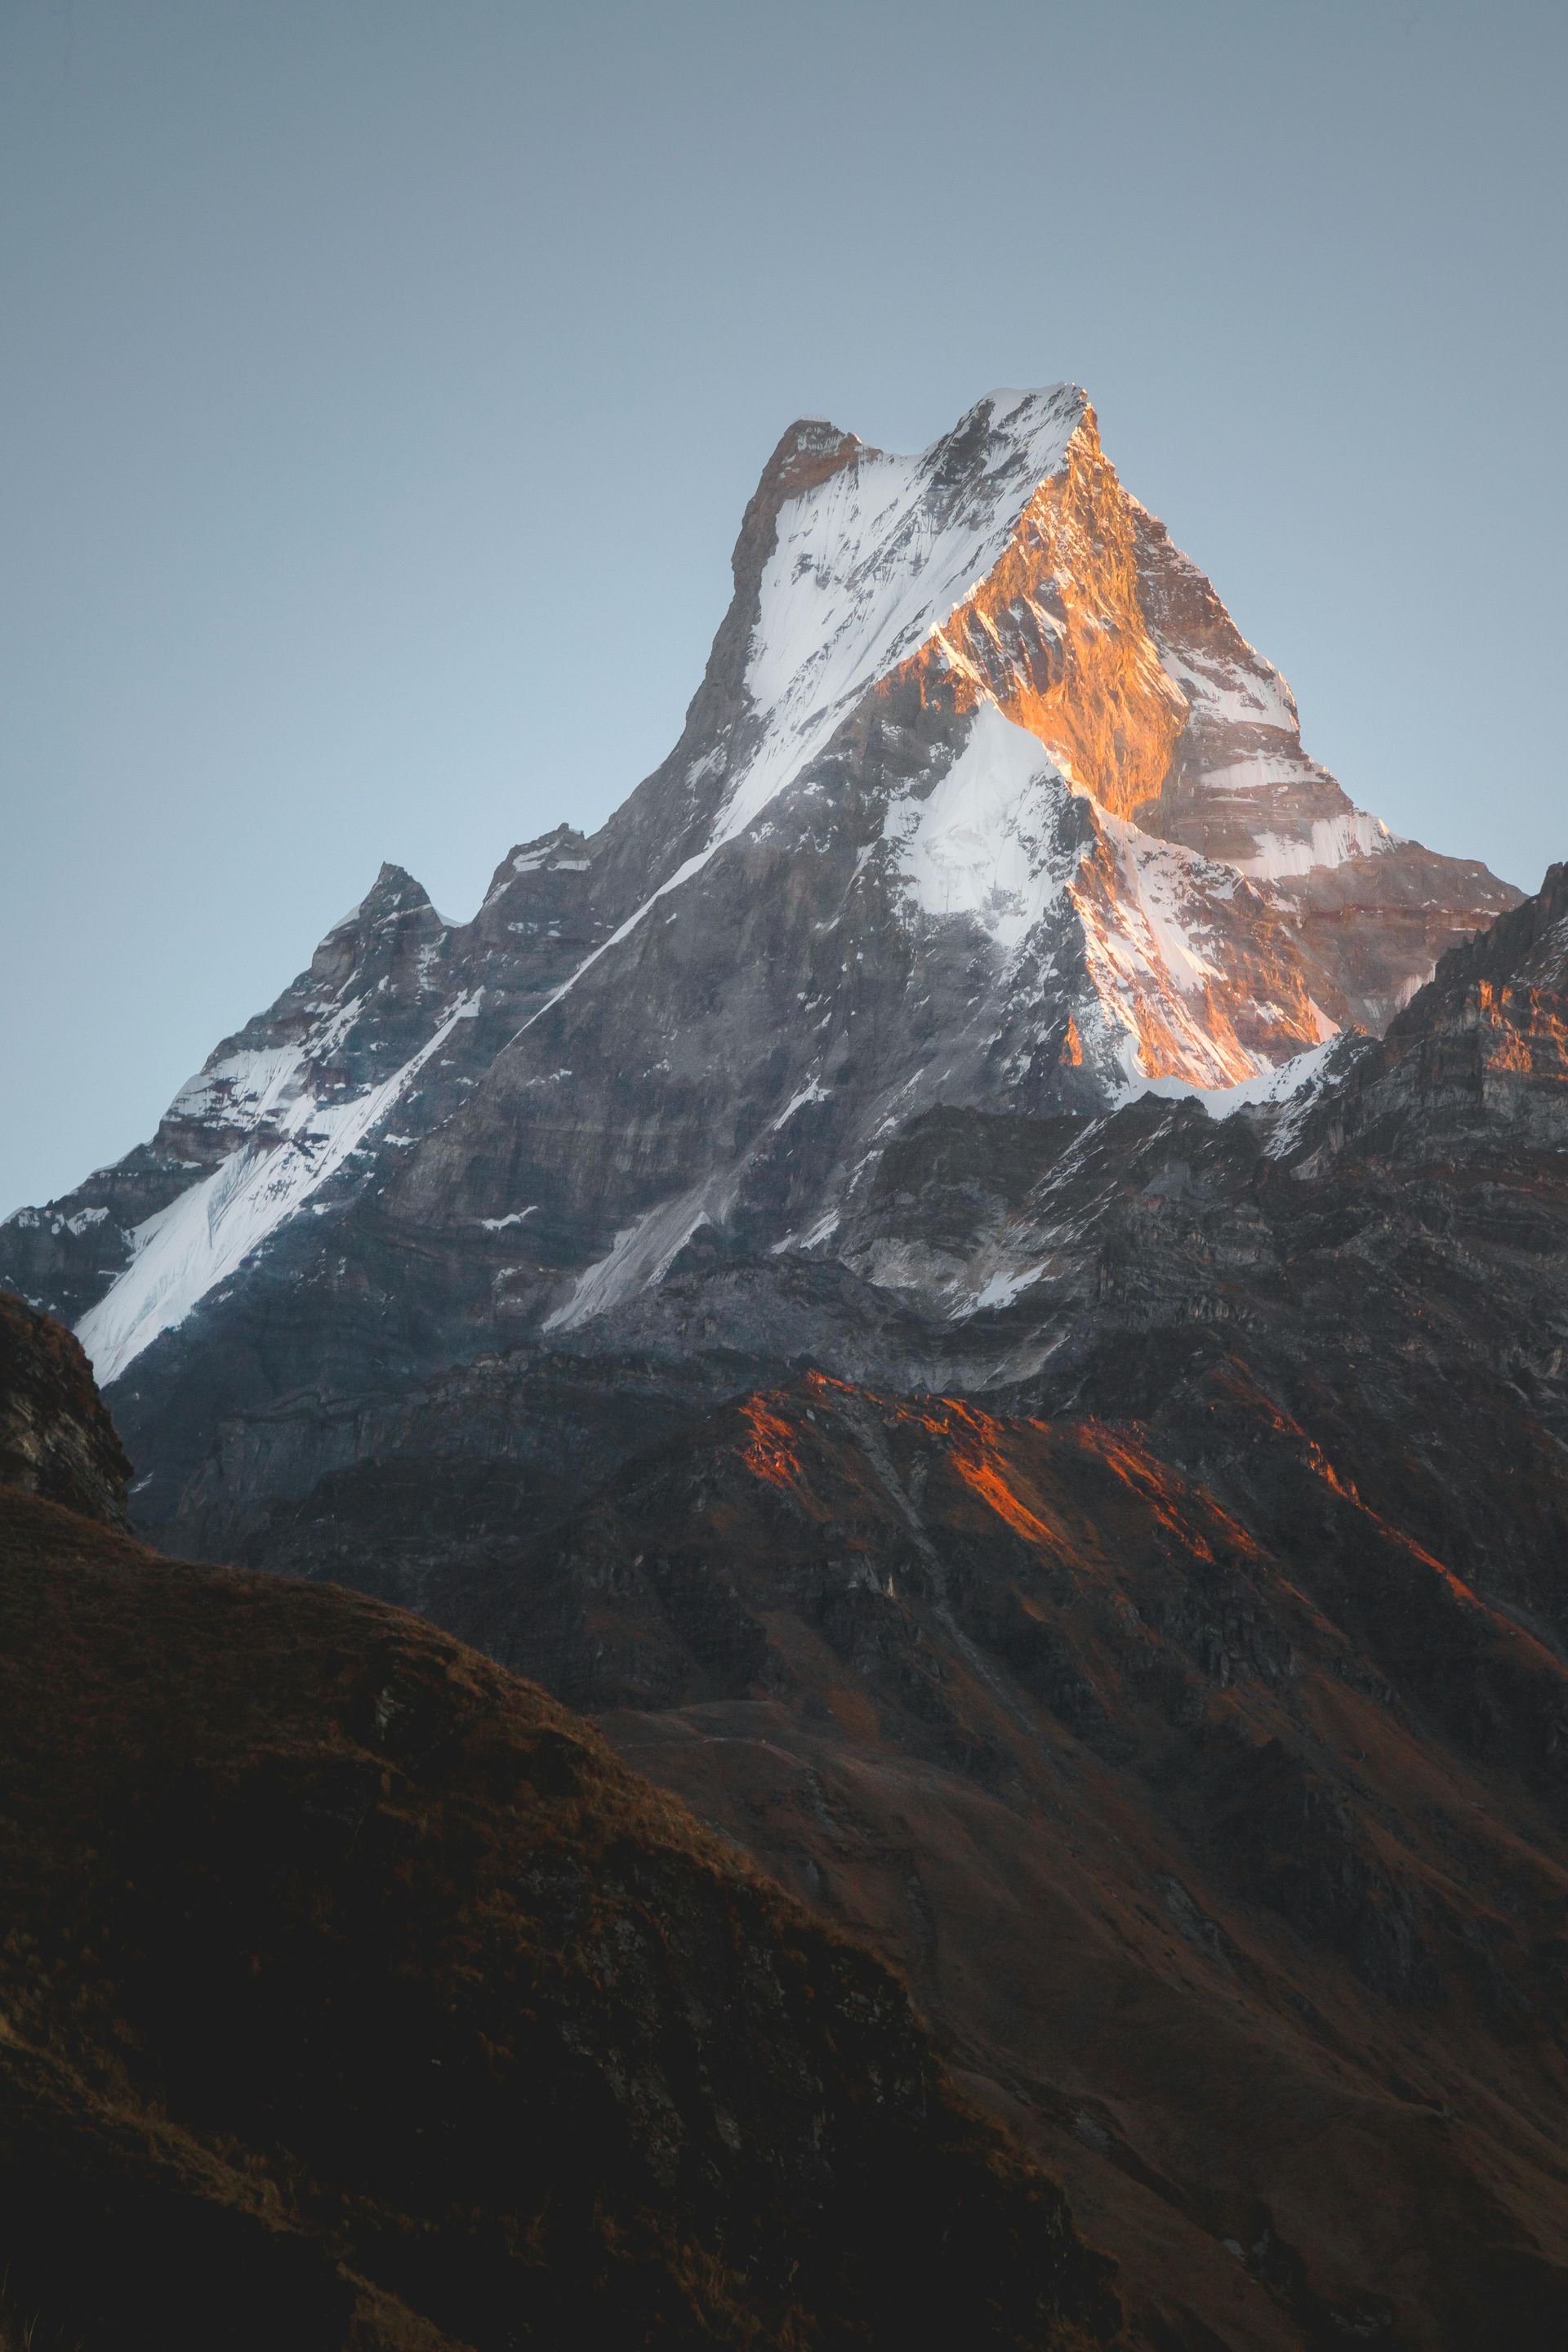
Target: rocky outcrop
(1485, 1047)
(56, 1439)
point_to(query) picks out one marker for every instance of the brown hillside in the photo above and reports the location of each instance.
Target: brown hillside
(353, 1994)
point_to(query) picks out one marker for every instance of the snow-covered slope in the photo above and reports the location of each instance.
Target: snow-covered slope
(207, 1233)
(870, 562)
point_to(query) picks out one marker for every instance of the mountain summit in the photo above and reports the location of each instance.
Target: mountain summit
(982, 802)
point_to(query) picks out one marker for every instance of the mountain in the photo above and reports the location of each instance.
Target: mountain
(982, 1277)
(1186, 1713)
(983, 803)
(353, 1994)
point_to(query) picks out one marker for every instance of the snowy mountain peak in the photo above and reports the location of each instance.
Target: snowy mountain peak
(983, 800)
(1025, 430)
(870, 560)
(810, 448)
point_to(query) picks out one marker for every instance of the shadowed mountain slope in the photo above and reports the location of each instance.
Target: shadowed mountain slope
(1226, 1847)
(351, 1994)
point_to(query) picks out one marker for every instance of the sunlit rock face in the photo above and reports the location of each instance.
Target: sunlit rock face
(1056, 636)
(1368, 913)
(982, 802)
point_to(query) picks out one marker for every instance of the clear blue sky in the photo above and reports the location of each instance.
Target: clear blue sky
(381, 381)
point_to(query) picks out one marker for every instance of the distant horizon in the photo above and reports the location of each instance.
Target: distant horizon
(382, 396)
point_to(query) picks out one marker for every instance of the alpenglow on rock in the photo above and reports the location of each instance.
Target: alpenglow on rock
(983, 800)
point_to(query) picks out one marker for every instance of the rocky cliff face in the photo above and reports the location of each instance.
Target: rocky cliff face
(1368, 914)
(982, 802)
(1484, 1051)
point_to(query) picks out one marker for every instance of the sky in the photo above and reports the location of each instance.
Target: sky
(382, 381)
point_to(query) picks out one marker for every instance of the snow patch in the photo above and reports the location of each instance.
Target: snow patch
(208, 1231)
(826, 1224)
(639, 1258)
(1331, 842)
(1285, 1082)
(258, 1085)
(979, 843)
(1230, 695)
(811, 1092)
(1001, 1290)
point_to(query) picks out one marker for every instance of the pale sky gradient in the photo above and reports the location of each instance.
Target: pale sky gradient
(381, 381)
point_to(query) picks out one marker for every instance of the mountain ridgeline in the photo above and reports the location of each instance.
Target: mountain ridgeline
(982, 802)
